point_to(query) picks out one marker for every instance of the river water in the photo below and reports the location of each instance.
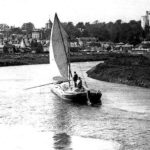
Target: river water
(36, 119)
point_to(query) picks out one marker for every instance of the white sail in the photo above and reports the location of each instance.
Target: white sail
(59, 49)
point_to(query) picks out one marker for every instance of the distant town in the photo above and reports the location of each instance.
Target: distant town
(90, 38)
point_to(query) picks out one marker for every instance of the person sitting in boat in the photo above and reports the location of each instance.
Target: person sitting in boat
(75, 78)
(80, 83)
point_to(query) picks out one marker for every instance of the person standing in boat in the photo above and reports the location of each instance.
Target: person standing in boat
(80, 83)
(75, 78)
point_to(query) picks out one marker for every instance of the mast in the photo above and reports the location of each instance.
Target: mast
(69, 66)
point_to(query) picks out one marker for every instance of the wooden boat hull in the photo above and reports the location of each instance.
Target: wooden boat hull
(85, 97)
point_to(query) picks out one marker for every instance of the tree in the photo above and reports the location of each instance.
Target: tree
(28, 27)
(119, 31)
(4, 27)
(135, 32)
(16, 30)
(99, 31)
(72, 31)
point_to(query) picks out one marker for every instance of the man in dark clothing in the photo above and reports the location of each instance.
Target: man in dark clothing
(75, 78)
(80, 83)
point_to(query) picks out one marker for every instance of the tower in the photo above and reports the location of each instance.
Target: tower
(148, 17)
(48, 25)
(145, 20)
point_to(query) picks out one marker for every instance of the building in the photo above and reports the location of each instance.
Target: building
(48, 25)
(145, 20)
(36, 34)
(46, 46)
(83, 41)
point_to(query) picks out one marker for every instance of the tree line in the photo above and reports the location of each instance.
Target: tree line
(116, 32)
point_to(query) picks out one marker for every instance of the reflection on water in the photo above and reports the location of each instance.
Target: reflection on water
(28, 138)
(62, 120)
(62, 141)
(37, 119)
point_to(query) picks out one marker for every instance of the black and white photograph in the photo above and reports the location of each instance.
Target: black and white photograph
(75, 75)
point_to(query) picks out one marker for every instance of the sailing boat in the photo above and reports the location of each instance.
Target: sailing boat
(60, 61)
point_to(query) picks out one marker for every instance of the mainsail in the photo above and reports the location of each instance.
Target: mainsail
(59, 49)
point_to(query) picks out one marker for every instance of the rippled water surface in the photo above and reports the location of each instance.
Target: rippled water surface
(37, 119)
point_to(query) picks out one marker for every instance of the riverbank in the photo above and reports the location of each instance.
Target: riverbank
(43, 58)
(23, 59)
(125, 69)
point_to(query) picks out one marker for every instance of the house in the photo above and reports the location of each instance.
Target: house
(73, 44)
(144, 46)
(82, 41)
(36, 34)
(8, 48)
(46, 46)
(127, 47)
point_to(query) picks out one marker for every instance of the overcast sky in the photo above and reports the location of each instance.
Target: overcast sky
(17, 12)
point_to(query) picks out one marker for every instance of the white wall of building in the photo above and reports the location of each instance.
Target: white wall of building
(145, 20)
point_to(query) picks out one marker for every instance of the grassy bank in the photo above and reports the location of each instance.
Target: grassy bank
(126, 69)
(28, 59)
(23, 59)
